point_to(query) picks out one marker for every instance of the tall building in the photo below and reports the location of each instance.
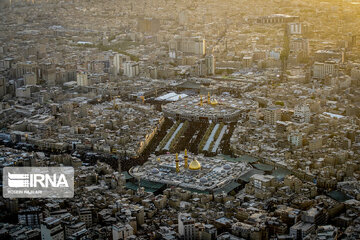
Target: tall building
(247, 61)
(206, 66)
(315, 215)
(148, 25)
(186, 226)
(295, 138)
(48, 73)
(22, 68)
(321, 70)
(205, 231)
(271, 115)
(295, 28)
(301, 230)
(30, 79)
(85, 215)
(188, 45)
(12, 205)
(122, 231)
(299, 45)
(261, 185)
(51, 229)
(210, 64)
(201, 67)
(131, 69)
(30, 217)
(302, 113)
(82, 79)
(118, 61)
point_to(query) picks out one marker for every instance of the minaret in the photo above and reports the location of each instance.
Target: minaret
(208, 101)
(186, 158)
(177, 163)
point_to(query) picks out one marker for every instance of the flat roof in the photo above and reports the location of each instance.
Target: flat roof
(227, 188)
(263, 167)
(215, 174)
(280, 173)
(338, 196)
(242, 158)
(127, 175)
(246, 176)
(172, 96)
(149, 186)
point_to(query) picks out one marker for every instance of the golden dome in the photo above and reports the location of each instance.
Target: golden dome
(195, 165)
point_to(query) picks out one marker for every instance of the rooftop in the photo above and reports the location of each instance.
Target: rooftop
(216, 108)
(215, 174)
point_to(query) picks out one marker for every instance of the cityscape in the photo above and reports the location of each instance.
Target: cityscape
(180, 120)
